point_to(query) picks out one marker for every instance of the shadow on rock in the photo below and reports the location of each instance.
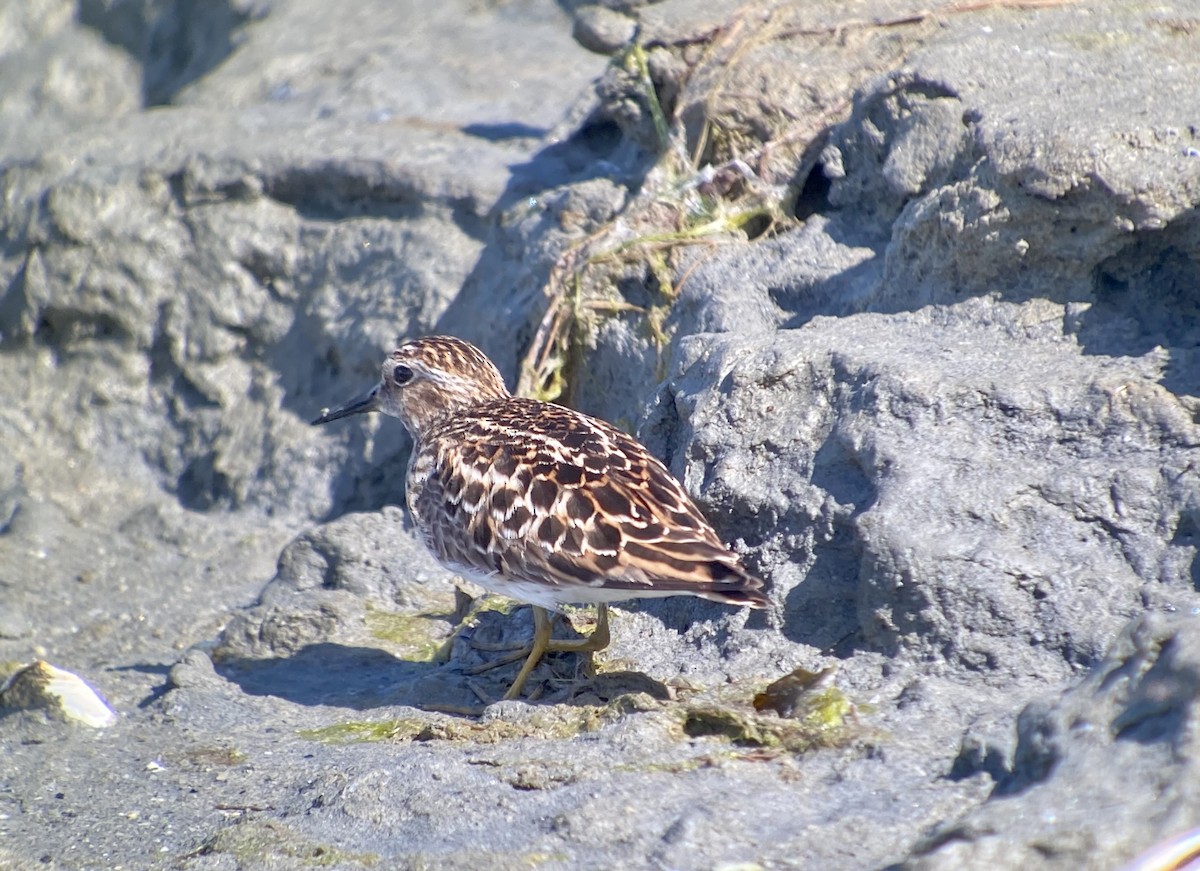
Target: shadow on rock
(1145, 298)
(330, 674)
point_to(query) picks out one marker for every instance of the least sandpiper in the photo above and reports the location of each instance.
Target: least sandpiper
(541, 503)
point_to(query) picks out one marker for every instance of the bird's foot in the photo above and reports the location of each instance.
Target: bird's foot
(516, 655)
(542, 644)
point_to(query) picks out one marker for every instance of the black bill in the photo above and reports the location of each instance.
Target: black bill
(369, 401)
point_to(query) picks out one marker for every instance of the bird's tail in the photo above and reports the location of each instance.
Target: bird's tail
(733, 585)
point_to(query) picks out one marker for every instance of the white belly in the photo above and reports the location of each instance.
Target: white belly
(551, 598)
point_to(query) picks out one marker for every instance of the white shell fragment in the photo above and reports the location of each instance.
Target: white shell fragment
(61, 694)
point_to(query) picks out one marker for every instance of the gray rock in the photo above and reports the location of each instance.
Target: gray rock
(844, 403)
(201, 386)
(1132, 714)
(57, 76)
(602, 30)
(14, 623)
(195, 669)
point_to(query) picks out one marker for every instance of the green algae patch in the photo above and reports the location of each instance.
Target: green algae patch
(823, 727)
(490, 859)
(538, 776)
(817, 716)
(676, 766)
(828, 710)
(808, 698)
(362, 732)
(262, 843)
(798, 712)
(559, 722)
(631, 703)
(499, 604)
(210, 757)
(415, 637)
(704, 720)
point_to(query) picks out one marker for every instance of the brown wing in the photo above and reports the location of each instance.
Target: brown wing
(544, 494)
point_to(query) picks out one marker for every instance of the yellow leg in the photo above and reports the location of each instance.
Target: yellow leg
(543, 627)
(598, 640)
(541, 640)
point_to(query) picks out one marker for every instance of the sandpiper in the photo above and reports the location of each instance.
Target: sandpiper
(541, 503)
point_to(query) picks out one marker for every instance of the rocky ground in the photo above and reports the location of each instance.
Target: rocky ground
(907, 295)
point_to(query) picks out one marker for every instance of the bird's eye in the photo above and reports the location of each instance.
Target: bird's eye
(402, 375)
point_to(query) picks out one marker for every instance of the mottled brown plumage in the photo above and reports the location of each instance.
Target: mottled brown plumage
(539, 502)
